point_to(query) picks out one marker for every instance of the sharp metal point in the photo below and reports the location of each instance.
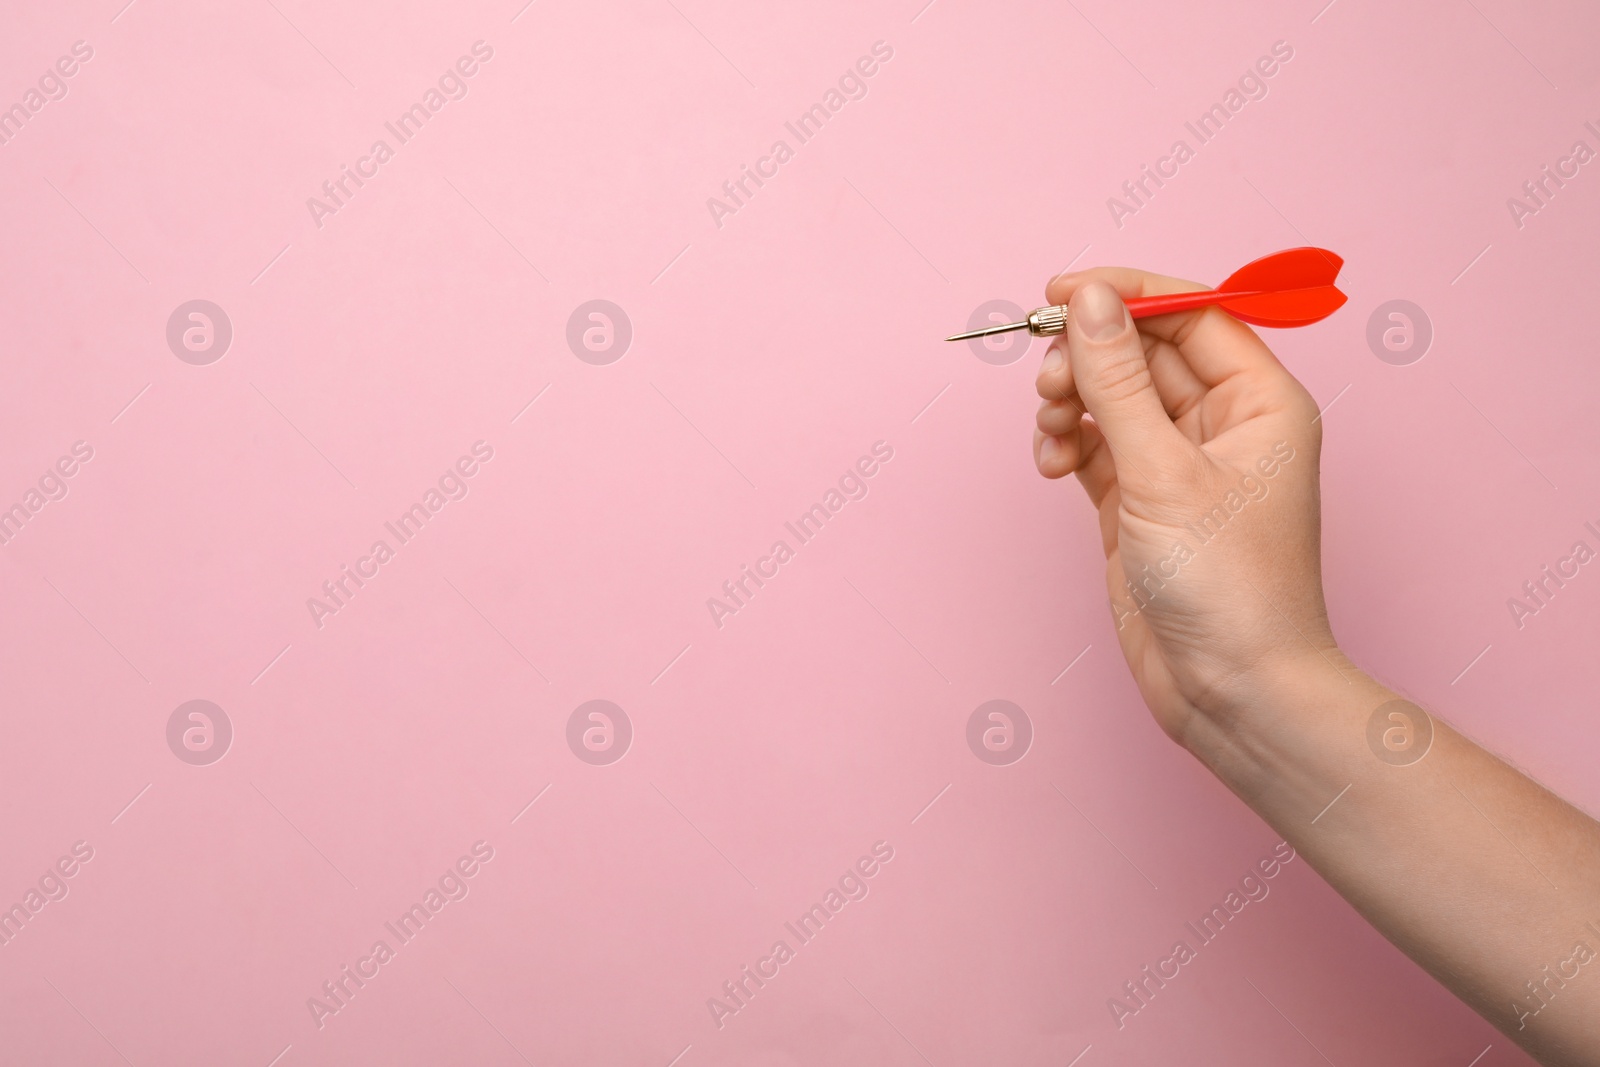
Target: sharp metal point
(987, 330)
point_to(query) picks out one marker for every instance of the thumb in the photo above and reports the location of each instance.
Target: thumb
(1113, 377)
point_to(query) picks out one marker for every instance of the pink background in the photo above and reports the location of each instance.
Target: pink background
(767, 356)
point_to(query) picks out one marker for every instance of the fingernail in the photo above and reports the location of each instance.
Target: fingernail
(1099, 311)
(1049, 448)
(1052, 357)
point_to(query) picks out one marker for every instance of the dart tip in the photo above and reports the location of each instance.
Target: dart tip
(987, 331)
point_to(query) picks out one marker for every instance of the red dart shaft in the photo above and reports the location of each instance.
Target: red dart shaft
(1145, 306)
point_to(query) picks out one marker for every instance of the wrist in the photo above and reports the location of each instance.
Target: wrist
(1284, 715)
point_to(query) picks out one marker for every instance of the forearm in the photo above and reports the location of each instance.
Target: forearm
(1482, 876)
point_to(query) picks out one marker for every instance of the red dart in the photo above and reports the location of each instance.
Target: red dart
(1291, 288)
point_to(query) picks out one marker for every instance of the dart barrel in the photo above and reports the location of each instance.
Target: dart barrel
(1048, 321)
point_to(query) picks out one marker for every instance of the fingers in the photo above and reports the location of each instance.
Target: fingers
(1059, 452)
(1055, 456)
(1055, 374)
(1180, 390)
(1113, 378)
(1125, 280)
(1083, 452)
(1130, 284)
(1057, 417)
(1214, 344)
(1062, 407)
(1063, 443)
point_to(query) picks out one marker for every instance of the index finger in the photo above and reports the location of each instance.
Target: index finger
(1216, 345)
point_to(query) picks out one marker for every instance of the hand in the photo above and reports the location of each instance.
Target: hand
(1200, 451)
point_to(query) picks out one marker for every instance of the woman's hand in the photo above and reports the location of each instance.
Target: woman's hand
(1200, 451)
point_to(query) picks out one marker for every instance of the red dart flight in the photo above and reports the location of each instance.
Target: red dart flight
(1293, 288)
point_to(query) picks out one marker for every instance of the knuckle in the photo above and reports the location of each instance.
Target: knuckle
(1122, 376)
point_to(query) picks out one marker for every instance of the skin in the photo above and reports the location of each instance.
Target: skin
(1482, 876)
